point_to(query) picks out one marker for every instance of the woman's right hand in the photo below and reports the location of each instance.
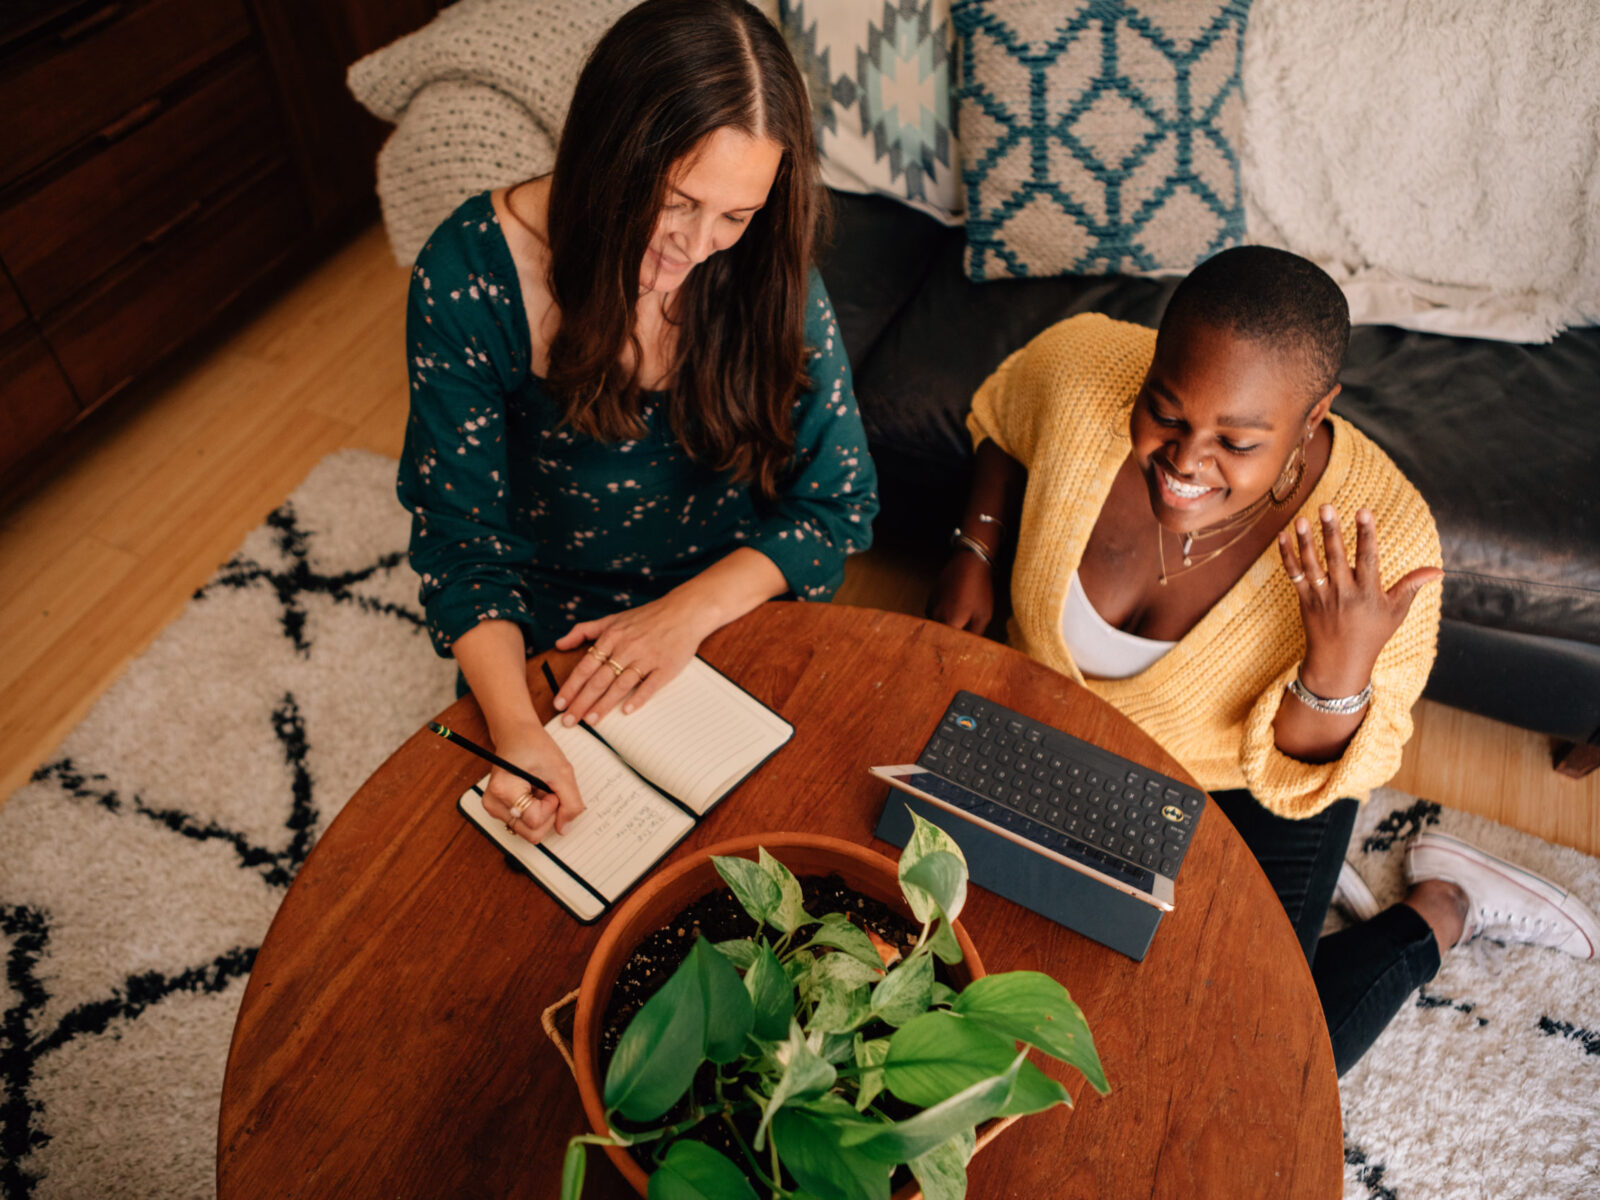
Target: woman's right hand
(550, 811)
(964, 596)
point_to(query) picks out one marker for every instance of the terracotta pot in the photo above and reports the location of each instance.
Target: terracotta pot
(667, 894)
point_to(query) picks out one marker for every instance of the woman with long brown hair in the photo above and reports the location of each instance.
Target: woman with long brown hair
(631, 414)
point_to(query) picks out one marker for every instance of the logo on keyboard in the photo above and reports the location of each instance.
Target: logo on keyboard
(966, 722)
(1174, 814)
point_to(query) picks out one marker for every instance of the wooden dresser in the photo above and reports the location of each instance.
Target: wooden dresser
(157, 159)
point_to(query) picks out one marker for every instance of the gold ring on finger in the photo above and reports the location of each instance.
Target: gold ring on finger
(520, 807)
(616, 668)
(631, 667)
(595, 651)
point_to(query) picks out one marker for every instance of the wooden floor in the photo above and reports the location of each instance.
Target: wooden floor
(93, 564)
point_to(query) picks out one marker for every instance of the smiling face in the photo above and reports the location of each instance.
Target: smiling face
(1215, 423)
(711, 197)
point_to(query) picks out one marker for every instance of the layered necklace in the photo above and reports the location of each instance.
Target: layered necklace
(1240, 524)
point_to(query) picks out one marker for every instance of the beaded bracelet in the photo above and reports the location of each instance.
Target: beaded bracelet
(1341, 706)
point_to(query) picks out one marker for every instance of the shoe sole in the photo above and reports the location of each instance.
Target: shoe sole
(1578, 916)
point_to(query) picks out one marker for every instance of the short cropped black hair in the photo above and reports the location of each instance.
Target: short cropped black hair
(1273, 296)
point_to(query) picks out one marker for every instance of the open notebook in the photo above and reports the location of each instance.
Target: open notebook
(646, 779)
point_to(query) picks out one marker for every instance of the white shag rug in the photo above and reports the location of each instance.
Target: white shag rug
(140, 869)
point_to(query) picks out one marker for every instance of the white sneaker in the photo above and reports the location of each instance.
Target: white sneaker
(1352, 896)
(1504, 901)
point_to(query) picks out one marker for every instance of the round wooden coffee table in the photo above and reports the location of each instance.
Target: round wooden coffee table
(389, 1042)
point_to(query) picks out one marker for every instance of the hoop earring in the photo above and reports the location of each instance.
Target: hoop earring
(1284, 488)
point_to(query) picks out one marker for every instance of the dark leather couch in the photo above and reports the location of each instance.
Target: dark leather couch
(1502, 440)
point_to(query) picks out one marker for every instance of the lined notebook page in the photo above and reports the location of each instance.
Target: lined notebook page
(540, 865)
(698, 736)
(625, 827)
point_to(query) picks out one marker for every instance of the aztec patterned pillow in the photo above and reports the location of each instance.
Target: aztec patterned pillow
(1100, 137)
(880, 73)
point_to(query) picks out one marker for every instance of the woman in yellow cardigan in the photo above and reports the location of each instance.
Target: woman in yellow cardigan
(1252, 581)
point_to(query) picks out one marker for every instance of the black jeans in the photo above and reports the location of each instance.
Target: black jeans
(1364, 973)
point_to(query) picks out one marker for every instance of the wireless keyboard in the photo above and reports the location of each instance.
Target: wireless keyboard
(1096, 812)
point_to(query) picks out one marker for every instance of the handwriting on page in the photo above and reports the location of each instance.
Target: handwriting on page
(697, 736)
(625, 825)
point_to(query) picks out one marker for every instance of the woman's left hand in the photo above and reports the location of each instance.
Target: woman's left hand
(632, 655)
(1348, 615)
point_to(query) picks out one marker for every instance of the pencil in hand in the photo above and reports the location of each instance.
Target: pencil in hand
(490, 756)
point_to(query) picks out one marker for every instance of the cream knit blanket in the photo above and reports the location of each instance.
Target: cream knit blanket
(1440, 158)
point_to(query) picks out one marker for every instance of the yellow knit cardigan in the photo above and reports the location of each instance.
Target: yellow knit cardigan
(1060, 406)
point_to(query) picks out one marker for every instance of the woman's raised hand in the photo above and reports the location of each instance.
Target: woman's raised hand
(1348, 615)
(545, 811)
(964, 596)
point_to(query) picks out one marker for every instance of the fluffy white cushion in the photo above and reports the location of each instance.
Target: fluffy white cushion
(1440, 159)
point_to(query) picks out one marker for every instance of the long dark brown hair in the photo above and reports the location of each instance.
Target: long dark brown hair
(665, 77)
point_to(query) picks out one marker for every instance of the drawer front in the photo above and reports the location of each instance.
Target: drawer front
(161, 298)
(141, 189)
(34, 398)
(103, 81)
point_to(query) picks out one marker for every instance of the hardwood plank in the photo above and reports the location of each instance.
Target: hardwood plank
(73, 582)
(228, 470)
(127, 446)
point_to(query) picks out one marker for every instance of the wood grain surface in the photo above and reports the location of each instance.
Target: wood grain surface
(389, 1042)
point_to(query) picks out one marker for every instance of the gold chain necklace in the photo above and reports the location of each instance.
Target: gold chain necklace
(1249, 518)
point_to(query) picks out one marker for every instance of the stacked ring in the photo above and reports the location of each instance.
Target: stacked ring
(1319, 582)
(594, 649)
(517, 809)
(1297, 578)
(615, 669)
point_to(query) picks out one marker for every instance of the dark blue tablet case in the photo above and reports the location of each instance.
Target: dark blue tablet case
(1067, 897)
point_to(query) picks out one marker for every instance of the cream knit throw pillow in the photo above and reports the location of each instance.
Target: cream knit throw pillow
(479, 95)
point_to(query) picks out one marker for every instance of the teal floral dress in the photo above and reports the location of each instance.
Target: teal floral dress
(515, 517)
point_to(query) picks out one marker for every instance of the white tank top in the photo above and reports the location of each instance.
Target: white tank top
(1099, 648)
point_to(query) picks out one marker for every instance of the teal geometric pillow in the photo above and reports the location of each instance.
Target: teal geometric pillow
(1099, 137)
(880, 78)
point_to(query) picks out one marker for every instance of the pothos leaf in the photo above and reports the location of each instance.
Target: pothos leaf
(753, 887)
(791, 911)
(926, 838)
(694, 1171)
(805, 1073)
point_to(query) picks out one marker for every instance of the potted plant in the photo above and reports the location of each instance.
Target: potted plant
(819, 1057)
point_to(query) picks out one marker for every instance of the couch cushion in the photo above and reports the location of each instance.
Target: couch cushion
(874, 261)
(1503, 441)
(916, 383)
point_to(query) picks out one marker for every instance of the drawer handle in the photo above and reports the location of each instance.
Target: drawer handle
(126, 124)
(91, 23)
(156, 235)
